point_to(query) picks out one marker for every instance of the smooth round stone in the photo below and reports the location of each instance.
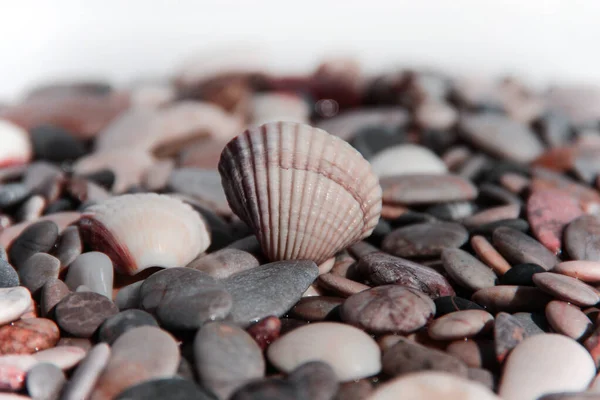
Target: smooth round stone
(508, 333)
(521, 275)
(94, 270)
(315, 380)
(226, 358)
(407, 357)
(501, 136)
(548, 212)
(55, 144)
(32, 209)
(424, 240)
(383, 269)
(53, 292)
(519, 248)
(267, 389)
(139, 355)
(428, 385)
(466, 270)
(64, 357)
(39, 237)
(316, 308)
(14, 302)
(349, 351)
(271, 289)
(586, 271)
(426, 189)
(415, 160)
(567, 288)
(582, 238)
(37, 270)
(460, 324)
(87, 372)
(547, 363)
(158, 389)
(129, 296)
(436, 115)
(225, 262)
(386, 309)
(12, 194)
(118, 324)
(448, 304)
(45, 381)
(81, 313)
(511, 298)
(568, 320)
(83, 343)
(8, 275)
(534, 323)
(69, 246)
(27, 336)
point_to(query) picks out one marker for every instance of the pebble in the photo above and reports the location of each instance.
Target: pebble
(508, 333)
(225, 262)
(567, 288)
(568, 320)
(226, 358)
(383, 269)
(388, 308)
(339, 285)
(317, 308)
(426, 189)
(582, 238)
(87, 372)
(14, 302)
(521, 275)
(81, 313)
(55, 144)
(37, 270)
(8, 275)
(118, 324)
(13, 370)
(45, 382)
(424, 240)
(12, 194)
(448, 304)
(570, 396)
(534, 323)
(271, 289)
(354, 390)
(429, 385)
(415, 160)
(488, 229)
(139, 355)
(537, 366)
(475, 353)
(168, 388)
(201, 184)
(519, 248)
(94, 270)
(265, 331)
(315, 380)
(586, 271)
(349, 351)
(493, 214)
(466, 270)
(53, 292)
(28, 336)
(64, 357)
(39, 237)
(129, 296)
(267, 389)
(69, 246)
(482, 376)
(460, 324)
(488, 254)
(511, 298)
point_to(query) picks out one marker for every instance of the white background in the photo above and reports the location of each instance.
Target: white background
(541, 40)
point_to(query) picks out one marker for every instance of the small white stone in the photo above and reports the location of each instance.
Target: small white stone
(349, 351)
(14, 302)
(407, 159)
(16, 147)
(94, 270)
(546, 363)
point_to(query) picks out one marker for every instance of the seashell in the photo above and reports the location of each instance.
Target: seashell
(138, 231)
(16, 147)
(305, 193)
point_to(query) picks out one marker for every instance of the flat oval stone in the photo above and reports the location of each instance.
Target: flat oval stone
(169, 388)
(316, 308)
(488, 254)
(567, 288)
(511, 298)
(429, 385)
(460, 324)
(384, 269)
(81, 313)
(87, 372)
(537, 366)
(8, 275)
(586, 271)
(271, 289)
(501, 136)
(568, 320)
(407, 357)
(466, 270)
(339, 285)
(14, 302)
(69, 246)
(519, 248)
(488, 229)
(424, 240)
(426, 189)
(52, 293)
(521, 275)
(354, 390)
(415, 160)
(448, 304)
(349, 351)
(549, 211)
(389, 308)
(474, 353)
(64, 357)
(582, 238)
(94, 270)
(36, 238)
(226, 358)
(315, 380)
(225, 262)
(570, 396)
(139, 355)
(45, 381)
(27, 336)
(498, 213)
(118, 324)
(37, 270)
(508, 333)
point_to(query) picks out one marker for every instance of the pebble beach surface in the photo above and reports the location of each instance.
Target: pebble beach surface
(232, 233)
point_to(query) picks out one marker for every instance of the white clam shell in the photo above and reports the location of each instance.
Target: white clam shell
(305, 193)
(138, 231)
(15, 147)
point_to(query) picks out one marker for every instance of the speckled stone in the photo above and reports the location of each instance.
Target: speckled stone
(567, 288)
(45, 381)
(339, 285)
(53, 292)
(37, 270)
(582, 238)
(27, 336)
(466, 270)
(225, 262)
(519, 248)
(316, 308)
(534, 323)
(508, 333)
(8, 275)
(424, 240)
(80, 314)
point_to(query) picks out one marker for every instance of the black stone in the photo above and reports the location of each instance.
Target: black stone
(447, 304)
(39, 237)
(487, 229)
(104, 177)
(371, 140)
(168, 388)
(268, 389)
(59, 206)
(118, 324)
(410, 218)
(521, 275)
(54, 144)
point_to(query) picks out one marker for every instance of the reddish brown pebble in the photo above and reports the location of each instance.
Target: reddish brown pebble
(592, 344)
(460, 324)
(567, 288)
(265, 331)
(488, 254)
(27, 336)
(586, 271)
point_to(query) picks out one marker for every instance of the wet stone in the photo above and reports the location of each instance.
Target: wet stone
(87, 372)
(27, 336)
(94, 270)
(425, 240)
(448, 304)
(568, 320)
(521, 275)
(460, 324)
(265, 331)
(508, 333)
(53, 292)
(567, 288)
(316, 308)
(168, 388)
(582, 238)
(426, 189)
(45, 382)
(80, 314)
(8, 275)
(315, 380)
(118, 324)
(466, 270)
(519, 248)
(37, 270)
(37, 238)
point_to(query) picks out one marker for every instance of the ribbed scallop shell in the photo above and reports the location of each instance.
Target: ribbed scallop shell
(138, 231)
(305, 193)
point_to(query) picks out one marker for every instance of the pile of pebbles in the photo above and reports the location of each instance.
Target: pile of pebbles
(237, 234)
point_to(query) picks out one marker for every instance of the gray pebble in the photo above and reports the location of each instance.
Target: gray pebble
(118, 324)
(69, 246)
(94, 270)
(467, 270)
(45, 382)
(8, 275)
(39, 237)
(37, 270)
